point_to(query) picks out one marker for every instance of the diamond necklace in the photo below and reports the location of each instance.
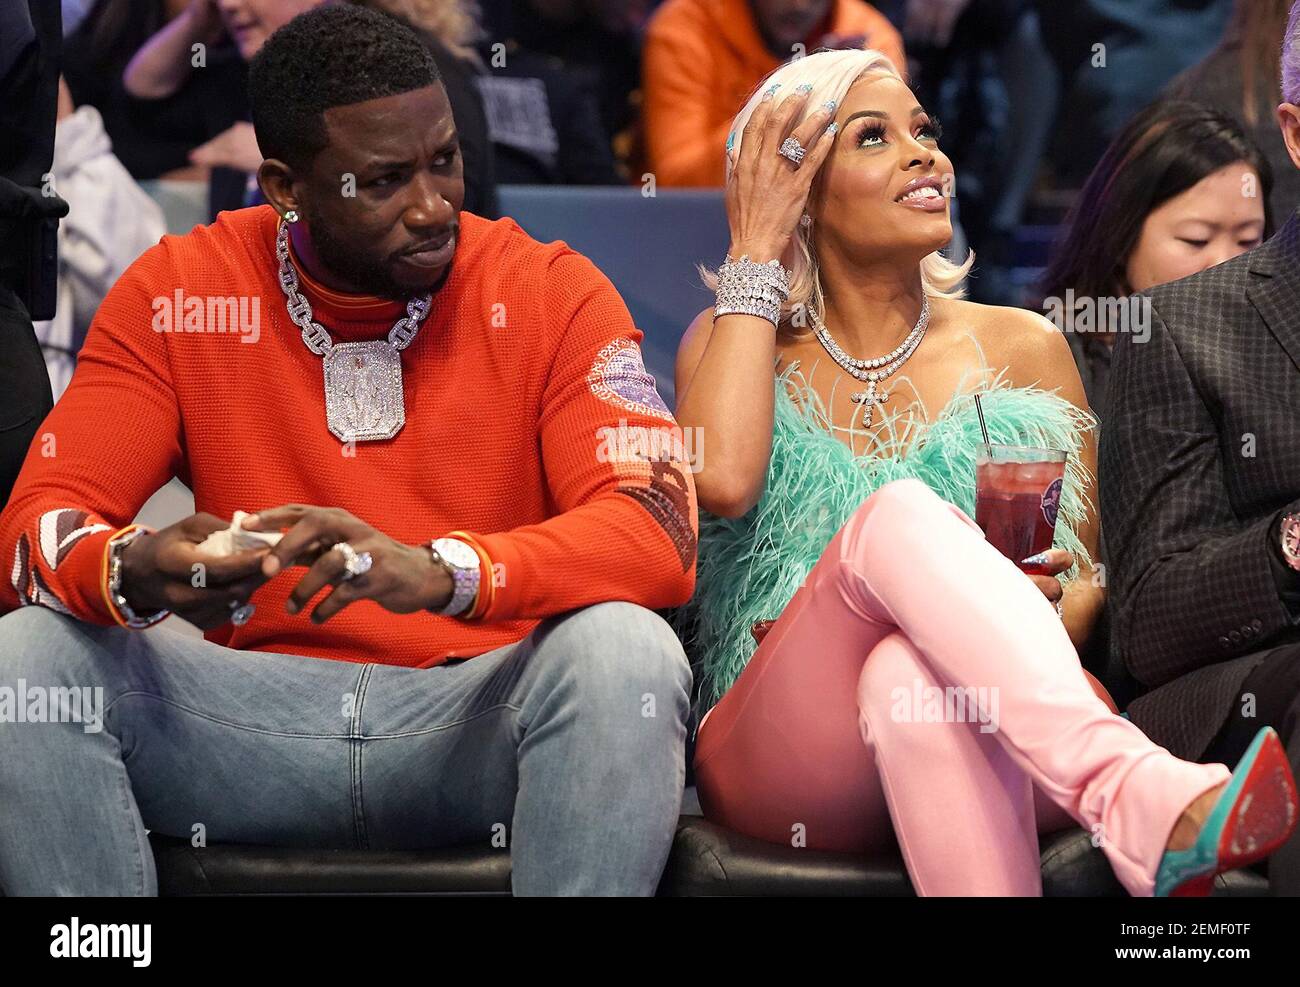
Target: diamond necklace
(364, 399)
(875, 370)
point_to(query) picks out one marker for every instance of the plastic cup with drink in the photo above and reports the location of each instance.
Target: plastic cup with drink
(1017, 497)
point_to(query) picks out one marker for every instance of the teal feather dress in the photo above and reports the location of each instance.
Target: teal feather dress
(749, 568)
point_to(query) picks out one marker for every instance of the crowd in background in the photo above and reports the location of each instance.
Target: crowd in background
(154, 133)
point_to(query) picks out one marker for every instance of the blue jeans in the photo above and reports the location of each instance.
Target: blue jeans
(567, 746)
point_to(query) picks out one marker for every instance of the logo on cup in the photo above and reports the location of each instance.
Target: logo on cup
(1051, 501)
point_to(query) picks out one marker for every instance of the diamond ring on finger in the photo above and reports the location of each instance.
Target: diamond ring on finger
(354, 563)
(793, 150)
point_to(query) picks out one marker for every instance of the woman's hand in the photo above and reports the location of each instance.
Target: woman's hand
(766, 193)
(1055, 561)
(402, 578)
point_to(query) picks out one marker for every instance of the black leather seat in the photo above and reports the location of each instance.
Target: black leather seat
(228, 869)
(706, 860)
(709, 860)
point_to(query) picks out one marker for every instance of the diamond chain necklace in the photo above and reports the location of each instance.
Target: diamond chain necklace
(364, 398)
(877, 369)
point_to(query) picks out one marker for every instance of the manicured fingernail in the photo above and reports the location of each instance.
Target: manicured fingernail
(1040, 559)
(271, 565)
(805, 88)
(833, 129)
(829, 106)
(731, 140)
(771, 90)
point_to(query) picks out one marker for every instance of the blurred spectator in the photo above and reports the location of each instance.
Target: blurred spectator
(110, 222)
(703, 58)
(1181, 189)
(545, 123)
(1240, 77)
(164, 64)
(167, 61)
(599, 40)
(1114, 56)
(983, 69)
(153, 137)
(449, 29)
(543, 107)
(523, 118)
(932, 23)
(30, 40)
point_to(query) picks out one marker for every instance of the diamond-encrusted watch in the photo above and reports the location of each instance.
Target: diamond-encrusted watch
(116, 549)
(1291, 540)
(462, 564)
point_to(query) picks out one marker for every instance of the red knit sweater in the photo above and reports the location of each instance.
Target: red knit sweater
(526, 358)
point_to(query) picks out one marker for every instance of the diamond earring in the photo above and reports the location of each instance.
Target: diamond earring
(291, 216)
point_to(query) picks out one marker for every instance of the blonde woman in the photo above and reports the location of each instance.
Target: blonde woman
(840, 510)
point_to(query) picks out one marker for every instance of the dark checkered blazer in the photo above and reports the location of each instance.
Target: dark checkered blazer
(1199, 452)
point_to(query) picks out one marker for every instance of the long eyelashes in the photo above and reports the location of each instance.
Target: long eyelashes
(872, 133)
(932, 130)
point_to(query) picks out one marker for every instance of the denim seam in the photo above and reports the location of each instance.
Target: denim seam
(444, 726)
(355, 737)
(123, 788)
(223, 722)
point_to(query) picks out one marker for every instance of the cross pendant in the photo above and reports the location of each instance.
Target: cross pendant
(870, 397)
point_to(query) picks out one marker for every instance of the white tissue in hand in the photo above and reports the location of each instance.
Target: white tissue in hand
(235, 539)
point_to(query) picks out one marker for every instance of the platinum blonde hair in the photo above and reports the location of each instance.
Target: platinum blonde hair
(1291, 58)
(456, 23)
(831, 74)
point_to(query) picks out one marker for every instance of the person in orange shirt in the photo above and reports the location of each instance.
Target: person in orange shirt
(703, 58)
(454, 452)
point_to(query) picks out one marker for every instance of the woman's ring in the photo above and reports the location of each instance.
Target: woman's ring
(793, 150)
(241, 612)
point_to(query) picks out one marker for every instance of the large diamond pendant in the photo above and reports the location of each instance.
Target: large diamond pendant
(363, 391)
(870, 397)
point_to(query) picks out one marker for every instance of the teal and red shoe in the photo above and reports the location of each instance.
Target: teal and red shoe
(1254, 815)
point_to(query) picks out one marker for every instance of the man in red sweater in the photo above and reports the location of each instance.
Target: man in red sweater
(430, 415)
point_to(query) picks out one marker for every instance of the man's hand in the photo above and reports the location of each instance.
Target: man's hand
(235, 148)
(402, 578)
(162, 570)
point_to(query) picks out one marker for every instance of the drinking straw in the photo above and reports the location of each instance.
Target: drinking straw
(979, 410)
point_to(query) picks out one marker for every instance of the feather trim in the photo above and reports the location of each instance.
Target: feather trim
(749, 568)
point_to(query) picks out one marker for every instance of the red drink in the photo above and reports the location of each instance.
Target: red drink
(1017, 494)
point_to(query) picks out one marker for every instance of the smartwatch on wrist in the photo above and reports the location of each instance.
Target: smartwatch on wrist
(462, 564)
(1291, 540)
